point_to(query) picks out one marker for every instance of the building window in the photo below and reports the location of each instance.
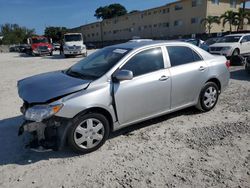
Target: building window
(141, 16)
(196, 3)
(149, 13)
(165, 24)
(216, 2)
(145, 26)
(155, 12)
(155, 25)
(233, 3)
(194, 20)
(178, 22)
(178, 7)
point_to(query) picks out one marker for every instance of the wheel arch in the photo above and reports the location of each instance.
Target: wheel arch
(216, 81)
(99, 110)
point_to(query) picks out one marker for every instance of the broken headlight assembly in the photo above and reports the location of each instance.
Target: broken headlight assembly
(38, 113)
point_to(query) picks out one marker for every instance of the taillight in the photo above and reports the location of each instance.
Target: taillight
(228, 63)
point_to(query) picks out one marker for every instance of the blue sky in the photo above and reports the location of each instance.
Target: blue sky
(38, 14)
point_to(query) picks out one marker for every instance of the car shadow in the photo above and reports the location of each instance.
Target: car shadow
(240, 74)
(12, 148)
(13, 151)
(130, 129)
(55, 56)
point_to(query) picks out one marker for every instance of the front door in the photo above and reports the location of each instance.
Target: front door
(148, 93)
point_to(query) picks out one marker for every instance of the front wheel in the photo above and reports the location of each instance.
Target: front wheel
(88, 133)
(85, 54)
(208, 97)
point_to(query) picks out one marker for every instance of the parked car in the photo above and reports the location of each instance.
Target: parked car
(13, 48)
(247, 65)
(232, 45)
(18, 48)
(56, 46)
(212, 40)
(90, 46)
(196, 42)
(118, 86)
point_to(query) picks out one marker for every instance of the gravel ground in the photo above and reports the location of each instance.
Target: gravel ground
(183, 149)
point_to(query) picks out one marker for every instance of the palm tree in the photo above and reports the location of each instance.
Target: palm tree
(229, 17)
(209, 21)
(241, 16)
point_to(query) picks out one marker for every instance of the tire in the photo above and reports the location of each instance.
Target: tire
(51, 53)
(85, 128)
(247, 68)
(208, 97)
(66, 56)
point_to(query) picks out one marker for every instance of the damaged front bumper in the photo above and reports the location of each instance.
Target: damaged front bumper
(50, 134)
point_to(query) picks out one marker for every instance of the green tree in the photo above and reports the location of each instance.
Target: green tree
(240, 18)
(110, 11)
(134, 11)
(229, 17)
(14, 34)
(209, 21)
(56, 33)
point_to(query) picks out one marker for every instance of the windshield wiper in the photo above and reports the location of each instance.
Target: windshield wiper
(79, 75)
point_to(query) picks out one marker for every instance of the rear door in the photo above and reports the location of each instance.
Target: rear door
(148, 93)
(188, 73)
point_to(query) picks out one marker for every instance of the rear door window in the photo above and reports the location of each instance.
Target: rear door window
(181, 55)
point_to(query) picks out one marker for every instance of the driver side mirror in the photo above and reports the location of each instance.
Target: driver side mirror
(123, 75)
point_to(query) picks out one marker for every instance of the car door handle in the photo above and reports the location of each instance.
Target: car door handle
(202, 68)
(164, 78)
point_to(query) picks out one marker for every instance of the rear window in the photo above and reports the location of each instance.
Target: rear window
(181, 55)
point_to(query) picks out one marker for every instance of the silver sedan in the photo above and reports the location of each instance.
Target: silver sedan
(118, 86)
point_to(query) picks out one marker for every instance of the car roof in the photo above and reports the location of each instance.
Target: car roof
(135, 45)
(239, 34)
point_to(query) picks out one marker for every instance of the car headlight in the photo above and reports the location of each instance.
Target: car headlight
(225, 48)
(40, 112)
(83, 47)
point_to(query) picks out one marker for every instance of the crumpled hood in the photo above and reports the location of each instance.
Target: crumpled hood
(43, 87)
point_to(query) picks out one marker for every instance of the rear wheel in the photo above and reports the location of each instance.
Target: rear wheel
(88, 133)
(208, 97)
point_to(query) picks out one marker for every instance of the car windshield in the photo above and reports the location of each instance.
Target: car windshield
(69, 38)
(229, 39)
(98, 63)
(40, 40)
(211, 41)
